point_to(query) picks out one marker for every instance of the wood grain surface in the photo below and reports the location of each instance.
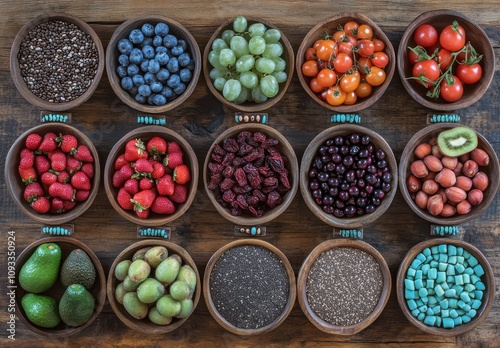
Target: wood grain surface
(202, 231)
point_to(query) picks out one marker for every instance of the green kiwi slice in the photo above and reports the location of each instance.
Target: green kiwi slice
(457, 141)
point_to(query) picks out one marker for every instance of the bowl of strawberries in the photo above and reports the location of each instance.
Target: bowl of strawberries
(151, 175)
(52, 173)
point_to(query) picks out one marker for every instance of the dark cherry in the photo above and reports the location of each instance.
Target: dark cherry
(326, 158)
(334, 191)
(360, 173)
(328, 200)
(369, 189)
(344, 150)
(330, 167)
(325, 187)
(350, 211)
(323, 176)
(370, 179)
(379, 194)
(362, 163)
(317, 194)
(319, 201)
(361, 183)
(338, 140)
(380, 154)
(386, 187)
(329, 142)
(354, 138)
(336, 158)
(354, 150)
(365, 139)
(387, 177)
(354, 191)
(350, 176)
(339, 204)
(333, 182)
(344, 186)
(333, 149)
(348, 161)
(340, 169)
(371, 169)
(361, 202)
(314, 185)
(313, 172)
(323, 149)
(376, 201)
(344, 195)
(329, 209)
(370, 208)
(382, 164)
(363, 153)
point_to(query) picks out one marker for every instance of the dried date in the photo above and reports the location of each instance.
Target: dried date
(228, 196)
(214, 181)
(241, 177)
(226, 184)
(228, 171)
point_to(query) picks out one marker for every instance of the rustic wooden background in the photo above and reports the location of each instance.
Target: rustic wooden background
(200, 120)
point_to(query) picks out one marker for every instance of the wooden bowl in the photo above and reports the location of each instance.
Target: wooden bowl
(15, 185)
(307, 161)
(98, 291)
(408, 156)
(302, 284)
(284, 147)
(488, 297)
(146, 133)
(112, 55)
(250, 107)
(479, 40)
(330, 25)
(213, 309)
(145, 326)
(15, 69)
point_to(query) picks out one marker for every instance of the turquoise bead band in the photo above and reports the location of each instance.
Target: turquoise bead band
(445, 230)
(358, 234)
(149, 120)
(56, 231)
(343, 118)
(54, 118)
(444, 118)
(153, 232)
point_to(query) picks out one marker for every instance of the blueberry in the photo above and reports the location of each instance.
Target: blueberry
(161, 29)
(186, 75)
(138, 80)
(121, 71)
(127, 83)
(148, 52)
(132, 70)
(144, 65)
(159, 99)
(177, 51)
(140, 98)
(156, 87)
(191, 64)
(148, 29)
(170, 41)
(184, 59)
(136, 56)
(173, 65)
(149, 78)
(136, 36)
(154, 66)
(167, 92)
(148, 41)
(150, 99)
(161, 49)
(157, 41)
(182, 43)
(123, 60)
(134, 90)
(180, 88)
(163, 74)
(144, 90)
(173, 81)
(162, 58)
(125, 46)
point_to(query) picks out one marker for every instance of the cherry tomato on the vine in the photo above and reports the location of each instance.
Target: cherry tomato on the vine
(376, 76)
(315, 86)
(412, 57)
(310, 54)
(326, 50)
(364, 65)
(425, 35)
(365, 47)
(469, 74)
(364, 32)
(342, 63)
(364, 89)
(345, 47)
(428, 69)
(350, 81)
(452, 37)
(351, 28)
(380, 59)
(379, 45)
(451, 92)
(350, 98)
(317, 43)
(444, 58)
(310, 68)
(335, 96)
(326, 77)
(339, 36)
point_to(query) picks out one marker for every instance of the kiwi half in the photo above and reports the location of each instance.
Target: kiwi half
(457, 141)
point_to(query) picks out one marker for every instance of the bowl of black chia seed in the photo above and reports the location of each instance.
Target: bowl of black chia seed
(249, 287)
(56, 61)
(343, 286)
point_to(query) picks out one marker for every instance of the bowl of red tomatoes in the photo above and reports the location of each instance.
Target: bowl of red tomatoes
(445, 60)
(345, 63)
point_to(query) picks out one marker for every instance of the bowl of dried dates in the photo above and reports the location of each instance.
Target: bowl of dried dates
(251, 174)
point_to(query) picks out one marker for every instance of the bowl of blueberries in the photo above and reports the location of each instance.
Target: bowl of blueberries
(153, 63)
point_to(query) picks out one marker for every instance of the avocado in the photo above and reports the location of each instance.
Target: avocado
(78, 269)
(41, 310)
(76, 305)
(41, 270)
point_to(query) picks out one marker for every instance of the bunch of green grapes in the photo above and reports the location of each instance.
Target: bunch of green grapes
(247, 63)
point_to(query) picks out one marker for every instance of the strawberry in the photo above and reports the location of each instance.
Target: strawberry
(48, 178)
(146, 184)
(173, 147)
(41, 205)
(127, 171)
(142, 214)
(163, 205)
(63, 191)
(118, 179)
(72, 164)
(131, 186)
(58, 161)
(56, 205)
(135, 149)
(48, 143)
(67, 143)
(156, 146)
(88, 168)
(143, 200)
(83, 154)
(33, 191)
(173, 160)
(180, 194)
(27, 175)
(182, 174)
(27, 158)
(158, 170)
(120, 162)
(80, 181)
(143, 166)
(42, 164)
(63, 177)
(82, 195)
(68, 205)
(165, 185)
(33, 141)
(125, 199)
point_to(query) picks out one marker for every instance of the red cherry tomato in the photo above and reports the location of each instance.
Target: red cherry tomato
(452, 92)
(327, 77)
(379, 45)
(380, 59)
(412, 57)
(365, 47)
(315, 86)
(351, 28)
(310, 68)
(452, 37)
(428, 69)
(345, 47)
(469, 74)
(364, 65)
(310, 54)
(425, 35)
(342, 63)
(444, 58)
(339, 36)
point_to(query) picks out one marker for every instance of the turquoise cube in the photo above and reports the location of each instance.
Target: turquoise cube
(478, 269)
(452, 250)
(418, 283)
(445, 313)
(472, 313)
(441, 277)
(430, 320)
(466, 278)
(476, 304)
(450, 293)
(465, 319)
(443, 258)
(426, 251)
(453, 314)
(432, 300)
(432, 273)
(411, 304)
(410, 294)
(416, 263)
(429, 284)
(439, 290)
(411, 272)
(459, 280)
(442, 248)
(464, 296)
(452, 260)
(460, 251)
(448, 323)
(409, 284)
(436, 310)
(480, 286)
(442, 266)
(422, 292)
(425, 268)
(434, 249)
(443, 304)
(418, 274)
(472, 261)
(450, 270)
(457, 321)
(478, 294)
(453, 303)
(421, 257)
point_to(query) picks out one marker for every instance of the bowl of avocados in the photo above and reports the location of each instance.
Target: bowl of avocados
(61, 286)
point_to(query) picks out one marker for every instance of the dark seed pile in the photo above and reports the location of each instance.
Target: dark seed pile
(249, 286)
(344, 285)
(58, 61)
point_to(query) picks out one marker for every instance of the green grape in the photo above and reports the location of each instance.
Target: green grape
(280, 64)
(280, 76)
(218, 44)
(258, 96)
(274, 50)
(245, 92)
(213, 58)
(227, 35)
(227, 57)
(272, 35)
(215, 73)
(256, 45)
(256, 29)
(219, 83)
(239, 46)
(249, 80)
(269, 86)
(265, 65)
(232, 89)
(240, 24)
(245, 63)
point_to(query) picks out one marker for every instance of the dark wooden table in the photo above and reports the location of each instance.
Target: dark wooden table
(105, 119)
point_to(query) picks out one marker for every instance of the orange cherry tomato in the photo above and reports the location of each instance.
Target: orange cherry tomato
(364, 65)
(327, 77)
(365, 47)
(317, 43)
(310, 54)
(310, 68)
(376, 76)
(315, 86)
(351, 98)
(326, 50)
(380, 59)
(335, 96)
(351, 28)
(364, 89)
(339, 36)
(342, 63)
(364, 32)
(379, 45)
(350, 81)
(345, 47)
